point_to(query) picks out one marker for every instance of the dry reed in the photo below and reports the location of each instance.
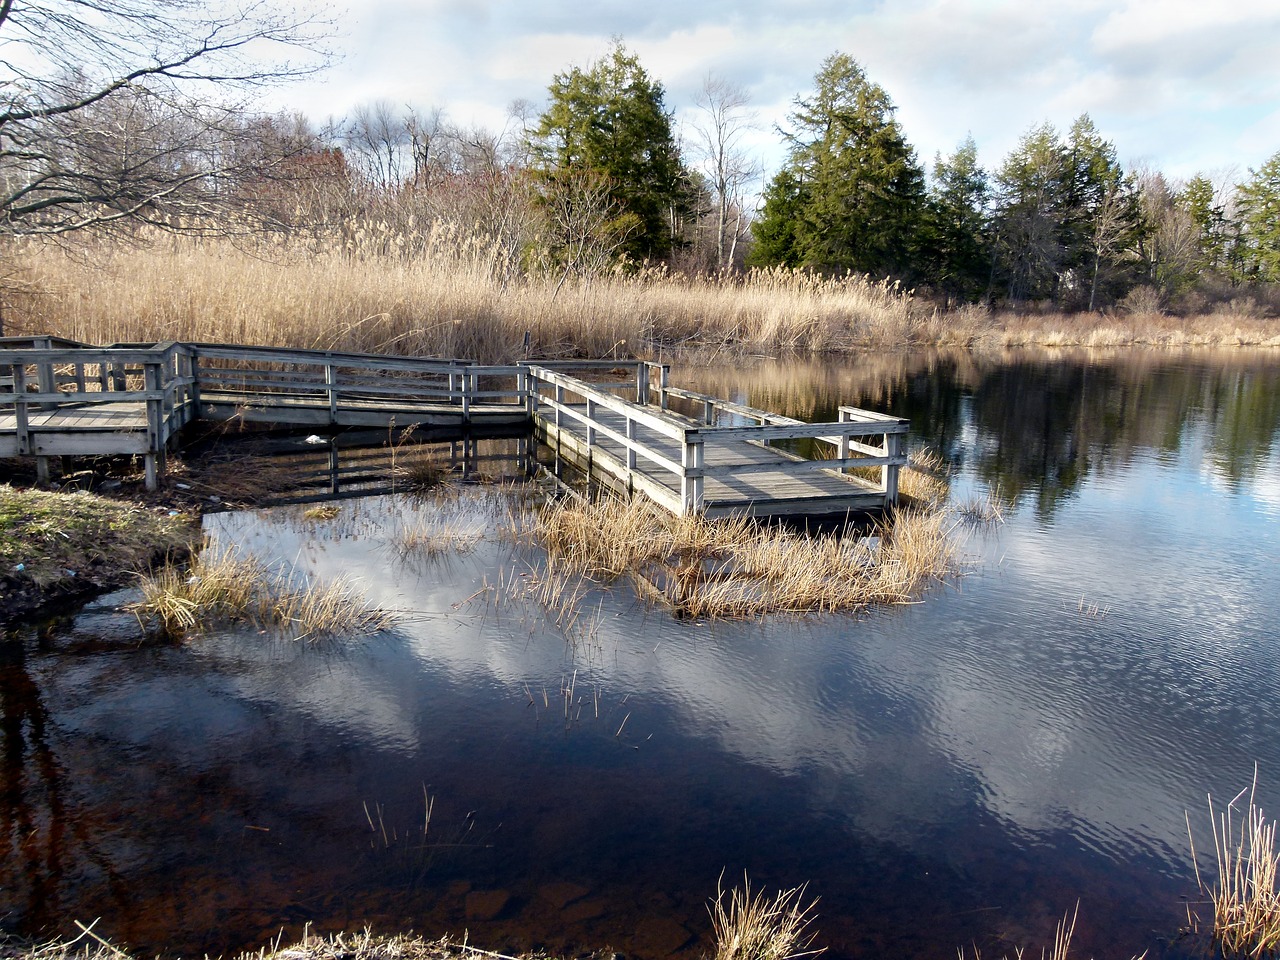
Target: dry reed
(363, 945)
(738, 567)
(756, 927)
(219, 586)
(1061, 948)
(926, 480)
(1246, 902)
(454, 297)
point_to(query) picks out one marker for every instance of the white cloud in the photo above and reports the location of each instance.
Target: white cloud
(1186, 85)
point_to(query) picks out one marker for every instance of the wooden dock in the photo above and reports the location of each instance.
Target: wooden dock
(687, 451)
(725, 460)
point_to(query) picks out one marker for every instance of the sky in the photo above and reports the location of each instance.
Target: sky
(1183, 86)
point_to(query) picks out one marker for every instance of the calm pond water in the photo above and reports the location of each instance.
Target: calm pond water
(958, 771)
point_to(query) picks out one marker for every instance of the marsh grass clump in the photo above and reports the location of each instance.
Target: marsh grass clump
(362, 945)
(757, 927)
(926, 480)
(980, 509)
(739, 567)
(220, 586)
(1246, 902)
(1061, 948)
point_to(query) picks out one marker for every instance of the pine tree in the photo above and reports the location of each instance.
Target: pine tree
(608, 125)
(956, 245)
(851, 195)
(1259, 201)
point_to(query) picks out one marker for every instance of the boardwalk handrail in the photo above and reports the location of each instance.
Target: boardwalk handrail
(691, 469)
(158, 376)
(44, 383)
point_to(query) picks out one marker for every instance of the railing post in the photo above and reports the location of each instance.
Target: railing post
(559, 404)
(691, 462)
(20, 411)
(331, 388)
(642, 383)
(889, 472)
(846, 448)
(631, 450)
(46, 382)
(663, 371)
(153, 382)
(591, 425)
(709, 412)
(194, 365)
(468, 388)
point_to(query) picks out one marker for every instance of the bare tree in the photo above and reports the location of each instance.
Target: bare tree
(114, 112)
(726, 120)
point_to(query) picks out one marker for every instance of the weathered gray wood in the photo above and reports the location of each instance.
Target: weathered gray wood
(146, 393)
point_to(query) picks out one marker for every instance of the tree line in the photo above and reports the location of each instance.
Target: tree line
(120, 115)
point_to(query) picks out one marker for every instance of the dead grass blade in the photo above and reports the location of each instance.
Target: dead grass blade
(757, 927)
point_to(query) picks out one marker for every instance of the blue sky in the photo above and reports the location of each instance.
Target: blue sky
(1180, 85)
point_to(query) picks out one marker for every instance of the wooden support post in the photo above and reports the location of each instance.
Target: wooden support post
(889, 472)
(157, 432)
(42, 471)
(46, 382)
(335, 469)
(663, 371)
(691, 462)
(20, 410)
(591, 426)
(193, 370)
(642, 383)
(331, 388)
(631, 450)
(559, 404)
(846, 448)
(468, 389)
(149, 469)
(709, 412)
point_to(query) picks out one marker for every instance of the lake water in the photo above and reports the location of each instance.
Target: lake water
(962, 770)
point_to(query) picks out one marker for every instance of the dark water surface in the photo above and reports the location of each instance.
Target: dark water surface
(961, 770)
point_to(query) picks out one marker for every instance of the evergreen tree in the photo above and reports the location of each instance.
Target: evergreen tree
(1101, 214)
(956, 245)
(609, 125)
(1031, 215)
(1199, 199)
(1259, 201)
(851, 195)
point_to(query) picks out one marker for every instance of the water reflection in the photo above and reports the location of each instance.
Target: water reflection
(1040, 423)
(962, 769)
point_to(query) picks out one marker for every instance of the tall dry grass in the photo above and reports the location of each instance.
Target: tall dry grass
(753, 926)
(220, 586)
(1245, 898)
(737, 567)
(455, 297)
(452, 299)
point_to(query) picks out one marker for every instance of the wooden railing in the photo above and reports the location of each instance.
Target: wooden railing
(334, 378)
(657, 450)
(65, 374)
(643, 428)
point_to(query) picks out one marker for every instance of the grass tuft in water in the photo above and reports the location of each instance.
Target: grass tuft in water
(220, 586)
(737, 567)
(926, 480)
(757, 927)
(1246, 903)
(1061, 948)
(362, 945)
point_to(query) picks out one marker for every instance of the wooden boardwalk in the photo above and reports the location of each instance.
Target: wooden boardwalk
(60, 398)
